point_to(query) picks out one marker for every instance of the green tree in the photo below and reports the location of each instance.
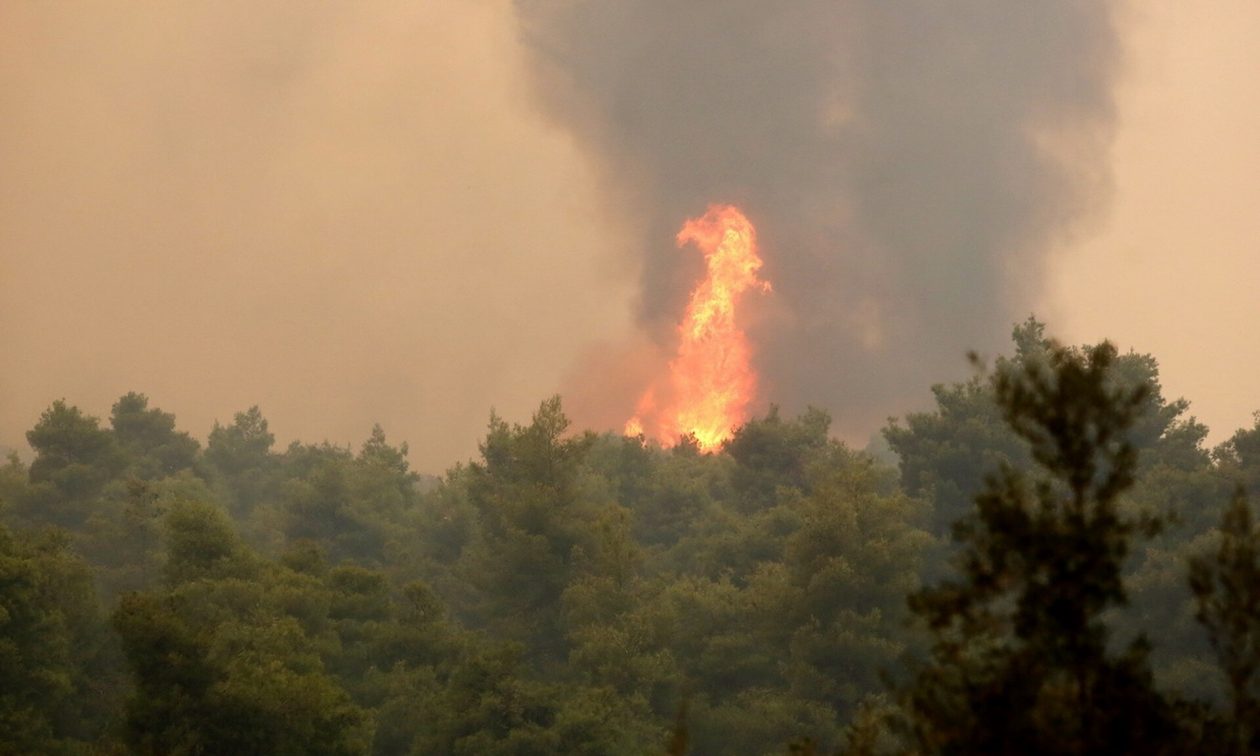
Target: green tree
(241, 453)
(530, 521)
(60, 681)
(150, 439)
(1240, 457)
(667, 492)
(122, 539)
(946, 454)
(849, 567)
(771, 453)
(227, 656)
(322, 501)
(351, 506)
(74, 459)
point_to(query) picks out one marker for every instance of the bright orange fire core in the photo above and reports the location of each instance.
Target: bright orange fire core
(711, 380)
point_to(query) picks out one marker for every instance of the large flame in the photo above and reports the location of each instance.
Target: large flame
(711, 380)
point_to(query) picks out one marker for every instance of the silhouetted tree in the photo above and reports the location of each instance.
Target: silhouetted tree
(1020, 662)
(1227, 593)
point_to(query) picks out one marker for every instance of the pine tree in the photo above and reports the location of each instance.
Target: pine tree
(1020, 660)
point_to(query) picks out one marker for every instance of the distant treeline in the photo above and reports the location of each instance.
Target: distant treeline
(1052, 562)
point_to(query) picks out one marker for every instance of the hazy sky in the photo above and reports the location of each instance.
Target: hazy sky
(1173, 267)
(346, 213)
(358, 213)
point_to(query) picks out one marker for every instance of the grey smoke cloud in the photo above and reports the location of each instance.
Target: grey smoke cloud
(908, 164)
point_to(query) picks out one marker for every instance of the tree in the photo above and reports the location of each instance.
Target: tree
(322, 500)
(1020, 660)
(149, 437)
(241, 685)
(243, 444)
(226, 657)
(74, 459)
(1240, 457)
(946, 454)
(1227, 593)
(771, 453)
(241, 452)
(202, 544)
(531, 519)
(14, 484)
(849, 568)
(59, 687)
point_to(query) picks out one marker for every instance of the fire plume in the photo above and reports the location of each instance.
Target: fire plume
(711, 380)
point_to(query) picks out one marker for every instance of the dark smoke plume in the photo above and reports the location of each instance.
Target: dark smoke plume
(908, 163)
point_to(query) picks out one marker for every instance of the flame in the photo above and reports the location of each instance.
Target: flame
(711, 380)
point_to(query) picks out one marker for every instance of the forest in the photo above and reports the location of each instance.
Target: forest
(1051, 560)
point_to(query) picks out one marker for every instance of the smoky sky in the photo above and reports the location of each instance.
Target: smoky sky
(908, 165)
(345, 213)
(412, 213)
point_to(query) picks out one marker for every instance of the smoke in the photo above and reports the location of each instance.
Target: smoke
(346, 213)
(908, 165)
(355, 213)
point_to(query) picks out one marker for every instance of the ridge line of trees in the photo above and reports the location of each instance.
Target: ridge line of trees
(1053, 562)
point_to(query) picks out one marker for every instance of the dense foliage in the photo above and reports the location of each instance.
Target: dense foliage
(569, 592)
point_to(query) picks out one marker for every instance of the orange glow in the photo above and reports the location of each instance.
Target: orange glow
(711, 380)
